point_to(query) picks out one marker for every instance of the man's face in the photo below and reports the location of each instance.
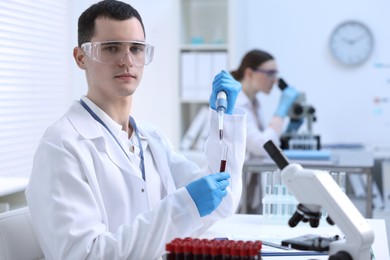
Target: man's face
(110, 81)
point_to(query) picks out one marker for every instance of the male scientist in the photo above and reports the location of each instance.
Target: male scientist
(105, 185)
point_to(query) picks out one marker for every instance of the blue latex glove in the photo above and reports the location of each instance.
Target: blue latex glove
(224, 81)
(289, 95)
(208, 192)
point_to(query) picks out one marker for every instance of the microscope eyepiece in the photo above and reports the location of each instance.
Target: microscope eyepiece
(276, 154)
(282, 84)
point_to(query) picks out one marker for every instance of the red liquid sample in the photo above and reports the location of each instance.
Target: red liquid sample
(223, 166)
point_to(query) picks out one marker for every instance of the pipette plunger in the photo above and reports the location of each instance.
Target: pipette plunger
(221, 106)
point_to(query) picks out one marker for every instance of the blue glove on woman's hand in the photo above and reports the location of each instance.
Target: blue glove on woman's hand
(289, 95)
(208, 192)
(223, 81)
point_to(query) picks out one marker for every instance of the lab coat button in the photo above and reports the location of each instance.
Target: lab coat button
(142, 190)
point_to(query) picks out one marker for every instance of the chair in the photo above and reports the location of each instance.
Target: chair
(17, 237)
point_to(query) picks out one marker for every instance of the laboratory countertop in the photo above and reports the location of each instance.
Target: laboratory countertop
(257, 227)
(10, 185)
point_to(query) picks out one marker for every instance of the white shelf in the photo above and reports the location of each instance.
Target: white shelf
(204, 22)
(204, 52)
(194, 100)
(204, 47)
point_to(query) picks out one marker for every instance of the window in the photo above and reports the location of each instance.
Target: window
(34, 77)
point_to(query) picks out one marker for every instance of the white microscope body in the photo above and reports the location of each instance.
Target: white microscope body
(316, 189)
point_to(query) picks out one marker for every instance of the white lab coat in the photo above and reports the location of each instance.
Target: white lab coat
(257, 131)
(87, 203)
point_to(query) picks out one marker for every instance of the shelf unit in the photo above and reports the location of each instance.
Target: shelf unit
(204, 51)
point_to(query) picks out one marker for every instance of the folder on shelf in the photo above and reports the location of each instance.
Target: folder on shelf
(188, 75)
(204, 71)
(194, 129)
(198, 70)
(218, 62)
(200, 142)
(196, 75)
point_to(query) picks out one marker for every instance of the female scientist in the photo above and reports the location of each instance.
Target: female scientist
(258, 73)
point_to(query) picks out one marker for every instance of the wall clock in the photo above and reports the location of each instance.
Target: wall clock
(351, 43)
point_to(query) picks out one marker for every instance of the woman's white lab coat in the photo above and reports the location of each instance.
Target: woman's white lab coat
(87, 203)
(257, 131)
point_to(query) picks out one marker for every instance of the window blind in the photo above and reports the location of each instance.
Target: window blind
(34, 77)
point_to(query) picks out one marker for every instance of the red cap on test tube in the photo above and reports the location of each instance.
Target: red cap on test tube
(206, 248)
(225, 247)
(215, 248)
(178, 246)
(170, 251)
(197, 249)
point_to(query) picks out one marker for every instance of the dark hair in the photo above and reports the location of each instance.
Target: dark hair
(252, 60)
(111, 9)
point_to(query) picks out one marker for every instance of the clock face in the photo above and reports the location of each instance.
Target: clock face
(351, 43)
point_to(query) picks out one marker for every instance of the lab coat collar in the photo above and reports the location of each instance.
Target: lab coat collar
(90, 129)
(83, 122)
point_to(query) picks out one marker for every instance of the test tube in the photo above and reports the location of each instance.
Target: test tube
(222, 167)
(341, 180)
(277, 185)
(339, 177)
(267, 196)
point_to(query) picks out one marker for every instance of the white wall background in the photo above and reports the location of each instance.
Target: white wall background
(297, 34)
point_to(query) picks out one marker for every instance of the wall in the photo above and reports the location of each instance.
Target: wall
(157, 98)
(297, 34)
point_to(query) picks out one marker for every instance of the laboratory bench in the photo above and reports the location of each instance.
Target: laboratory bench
(257, 227)
(348, 161)
(12, 192)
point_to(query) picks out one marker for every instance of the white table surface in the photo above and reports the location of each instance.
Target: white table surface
(256, 227)
(10, 185)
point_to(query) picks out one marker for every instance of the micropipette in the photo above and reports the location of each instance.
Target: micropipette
(221, 105)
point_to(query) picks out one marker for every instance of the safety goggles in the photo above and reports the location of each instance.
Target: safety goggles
(269, 73)
(114, 52)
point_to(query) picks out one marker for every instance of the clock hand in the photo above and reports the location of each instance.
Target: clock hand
(362, 36)
(347, 40)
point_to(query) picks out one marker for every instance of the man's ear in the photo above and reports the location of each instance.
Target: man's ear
(79, 56)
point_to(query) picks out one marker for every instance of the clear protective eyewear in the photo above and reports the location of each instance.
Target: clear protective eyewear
(115, 52)
(269, 73)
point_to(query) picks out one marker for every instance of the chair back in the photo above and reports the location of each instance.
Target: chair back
(17, 237)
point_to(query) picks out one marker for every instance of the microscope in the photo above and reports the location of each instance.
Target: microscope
(314, 190)
(299, 113)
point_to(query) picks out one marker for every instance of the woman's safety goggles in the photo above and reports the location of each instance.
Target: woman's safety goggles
(270, 73)
(115, 52)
